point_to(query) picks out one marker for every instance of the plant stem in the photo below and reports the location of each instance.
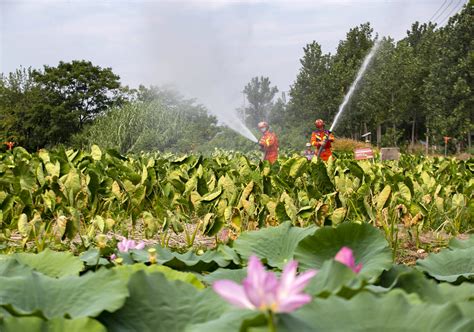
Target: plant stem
(271, 321)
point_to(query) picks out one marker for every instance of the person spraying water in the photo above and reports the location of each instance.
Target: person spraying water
(268, 142)
(349, 94)
(322, 140)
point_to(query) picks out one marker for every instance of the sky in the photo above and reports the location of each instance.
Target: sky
(208, 50)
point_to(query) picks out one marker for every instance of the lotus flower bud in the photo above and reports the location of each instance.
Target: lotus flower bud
(101, 241)
(110, 223)
(152, 257)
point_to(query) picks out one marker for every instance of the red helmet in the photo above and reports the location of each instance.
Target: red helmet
(262, 124)
(319, 123)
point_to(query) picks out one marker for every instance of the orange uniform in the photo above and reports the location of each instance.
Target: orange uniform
(317, 139)
(269, 144)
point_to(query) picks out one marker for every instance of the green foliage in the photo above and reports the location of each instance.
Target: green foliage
(156, 297)
(52, 264)
(369, 246)
(208, 261)
(126, 271)
(450, 264)
(74, 296)
(82, 89)
(41, 108)
(260, 96)
(54, 197)
(275, 245)
(167, 123)
(414, 88)
(158, 304)
(13, 324)
(20, 122)
(394, 311)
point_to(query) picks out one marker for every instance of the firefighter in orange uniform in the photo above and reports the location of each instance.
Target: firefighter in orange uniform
(320, 137)
(268, 143)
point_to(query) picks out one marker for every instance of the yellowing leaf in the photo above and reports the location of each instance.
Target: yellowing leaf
(383, 197)
(298, 166)
(404, 191)
(95, 152)
(116, 190)
(338, 215)
(23, 227)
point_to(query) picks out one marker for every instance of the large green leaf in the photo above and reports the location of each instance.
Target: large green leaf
(457, 293)
(276, 245)
(367, 312)
(231, 321)
(159, 304)
(52, 263)
(16, 324)
(235, 275)
(411, 281)
(73, 296)
(335, 278)
(10, 267)
(126, 271)
(368, 244)
(210, 260)
(449, 265)
(462, 244)
(92, 257)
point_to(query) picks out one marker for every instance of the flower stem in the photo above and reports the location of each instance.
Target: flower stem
(271, 321)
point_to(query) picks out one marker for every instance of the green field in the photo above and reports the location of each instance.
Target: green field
(64, 212)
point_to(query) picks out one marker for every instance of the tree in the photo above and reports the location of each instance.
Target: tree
(343, 70)
(310, 90)
(82, 89)
(423, 40)
(385, 96)
(19, 100)
(324, 79)
(278, 112)
(448, 88)
(260, 96)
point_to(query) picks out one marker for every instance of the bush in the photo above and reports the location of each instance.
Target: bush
(150, 126)
(347, 145)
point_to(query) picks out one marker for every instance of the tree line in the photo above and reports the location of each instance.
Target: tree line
(417, 89)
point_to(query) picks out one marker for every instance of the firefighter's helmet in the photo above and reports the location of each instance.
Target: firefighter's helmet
(319, 123)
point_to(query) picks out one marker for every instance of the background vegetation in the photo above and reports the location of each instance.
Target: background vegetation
(418, 89)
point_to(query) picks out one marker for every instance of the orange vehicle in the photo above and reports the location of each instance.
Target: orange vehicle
(268, 142)
(322, 138)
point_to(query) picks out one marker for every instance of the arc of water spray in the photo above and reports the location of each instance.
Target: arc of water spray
(237, 125)
(352, 88)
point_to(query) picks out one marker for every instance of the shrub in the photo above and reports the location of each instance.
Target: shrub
(347, 145)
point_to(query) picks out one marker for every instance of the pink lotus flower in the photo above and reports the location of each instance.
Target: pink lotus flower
(125, 245)
(346, 257)
(261, 289)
